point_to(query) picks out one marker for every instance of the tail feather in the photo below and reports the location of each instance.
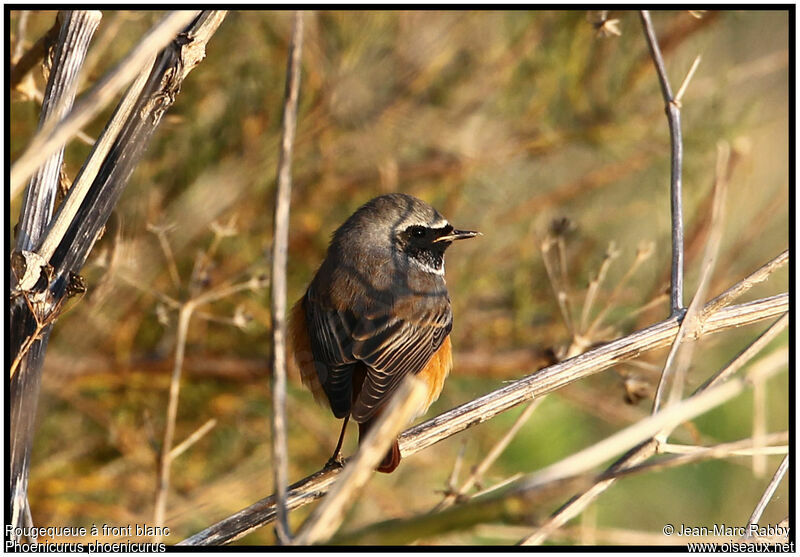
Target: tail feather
(392, 458)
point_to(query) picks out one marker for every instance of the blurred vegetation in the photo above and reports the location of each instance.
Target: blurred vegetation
(504, 121)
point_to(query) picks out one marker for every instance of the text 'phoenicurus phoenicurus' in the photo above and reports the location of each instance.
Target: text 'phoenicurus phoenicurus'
(376, 310)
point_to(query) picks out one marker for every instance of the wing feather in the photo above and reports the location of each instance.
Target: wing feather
(396, 348)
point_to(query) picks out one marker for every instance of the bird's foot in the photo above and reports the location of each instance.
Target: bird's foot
(336, 461)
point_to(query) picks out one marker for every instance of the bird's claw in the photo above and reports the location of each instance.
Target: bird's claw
(335, 461)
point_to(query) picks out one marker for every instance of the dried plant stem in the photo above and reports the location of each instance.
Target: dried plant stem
(680, 354)
(486, 407)
(759, 275)
(31, 314)
(24, 63)
(578, 503)
(594, 285)
(642, 254)
(168, 453)
(665, 420)
(765, 498)
(186, 444)
(56, 134)
(72, 237)
(165, 456)
(491, 456)
(557, 283)
(280, 243)
(676, 142)
(160, 232)
(517, 500)
(329, 515)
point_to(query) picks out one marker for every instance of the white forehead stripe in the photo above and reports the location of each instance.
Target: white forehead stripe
(439, 223)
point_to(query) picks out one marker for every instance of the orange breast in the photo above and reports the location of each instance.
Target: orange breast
(436, 372)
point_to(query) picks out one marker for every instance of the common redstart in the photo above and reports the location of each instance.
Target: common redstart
(376, 310)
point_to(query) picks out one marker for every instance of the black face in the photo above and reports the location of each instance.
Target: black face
(420, 243)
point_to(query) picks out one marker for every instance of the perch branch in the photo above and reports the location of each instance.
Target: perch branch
(330, 514)
(280, 243)
(531, 491)
(486, 407)
(578, 503)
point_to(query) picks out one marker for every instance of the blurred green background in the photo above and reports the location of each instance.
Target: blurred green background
(506, 122)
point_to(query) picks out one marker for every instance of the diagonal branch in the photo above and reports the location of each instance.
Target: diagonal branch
(486, 407)
(752, 523)
(52, 137)
(639, 454)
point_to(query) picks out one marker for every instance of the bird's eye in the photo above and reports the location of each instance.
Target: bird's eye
(417, 231)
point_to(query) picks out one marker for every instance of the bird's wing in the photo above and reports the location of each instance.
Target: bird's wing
(392, 347)
(330, 336)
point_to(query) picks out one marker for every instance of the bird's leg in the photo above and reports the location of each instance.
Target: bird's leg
(336, 459)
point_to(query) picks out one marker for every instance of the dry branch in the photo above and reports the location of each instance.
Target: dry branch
(676, 165)
(520, 500)
(24, 63)
(752, 523)
(280, 249)
(85, 210)
(29, 327)
(639, 454)
(329, 515)
(55, 135)
(486, 407)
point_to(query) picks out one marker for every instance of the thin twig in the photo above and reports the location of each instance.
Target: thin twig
(680, 354)
(329, 515)
(19, 38)
(491, 456)
(759, 275)
(34, 54)
(644, 251)
(56, 134)
(759, 432)
(165, 460)
(752, 523)
(486, 407)
(686, 80)
(594, 285)
(280, 243)
(557, 284)
(160, 232)
(667, 419)
(199, 433)
(688, 455)
(676, 144)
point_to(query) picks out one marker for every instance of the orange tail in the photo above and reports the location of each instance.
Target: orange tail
(392, 458)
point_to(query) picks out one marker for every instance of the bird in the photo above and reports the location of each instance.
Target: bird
(377, 310)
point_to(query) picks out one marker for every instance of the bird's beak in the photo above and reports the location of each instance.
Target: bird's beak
(457, 235)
